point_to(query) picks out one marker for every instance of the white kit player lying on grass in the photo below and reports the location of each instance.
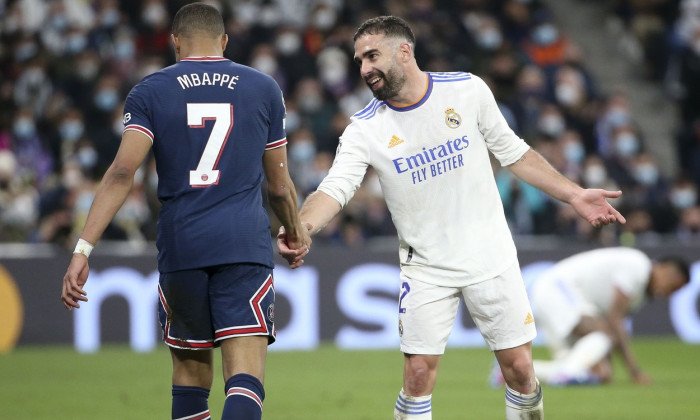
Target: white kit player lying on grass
(580, 306)
(428, 137)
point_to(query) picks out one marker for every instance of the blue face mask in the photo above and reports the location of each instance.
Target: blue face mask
(302, 151)
(626, 145)
(617, 117)
(545, 34)
(76, 43)
(106, 99)
(574, 152)
(71, 130)
(87, 157)
(24, 127)
(124, 49)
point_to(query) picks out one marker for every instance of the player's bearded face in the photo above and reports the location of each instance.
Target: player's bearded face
(389, 84)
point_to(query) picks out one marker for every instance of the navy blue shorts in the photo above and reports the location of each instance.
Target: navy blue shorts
(199, 308)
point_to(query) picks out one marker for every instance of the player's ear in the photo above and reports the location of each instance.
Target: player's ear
(224, 41)
(406, 51)
(176, 43)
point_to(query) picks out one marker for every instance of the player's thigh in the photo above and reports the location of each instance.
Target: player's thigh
(184, 311)
(242, 300)
(426, 316)
(244, 355)
(501, 310)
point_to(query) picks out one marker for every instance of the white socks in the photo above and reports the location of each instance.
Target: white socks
(412, 408)
(524, 406)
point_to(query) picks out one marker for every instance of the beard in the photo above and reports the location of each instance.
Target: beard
(393, 82)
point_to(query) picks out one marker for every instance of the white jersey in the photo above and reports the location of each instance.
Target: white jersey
(595, 275)
(434, 168)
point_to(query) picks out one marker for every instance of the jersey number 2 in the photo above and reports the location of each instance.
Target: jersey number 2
(206, 173)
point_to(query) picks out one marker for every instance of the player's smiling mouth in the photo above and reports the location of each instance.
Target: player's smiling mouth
(373, 82)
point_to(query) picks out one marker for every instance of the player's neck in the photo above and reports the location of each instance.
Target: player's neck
(200, 49)
(413, 90)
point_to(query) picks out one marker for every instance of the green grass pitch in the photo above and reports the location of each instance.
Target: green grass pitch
(57, 383)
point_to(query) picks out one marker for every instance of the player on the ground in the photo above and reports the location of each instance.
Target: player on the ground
(428, 136)
(580, 306)
(215, 128)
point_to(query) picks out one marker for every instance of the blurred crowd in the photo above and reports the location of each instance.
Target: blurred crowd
(67, 65)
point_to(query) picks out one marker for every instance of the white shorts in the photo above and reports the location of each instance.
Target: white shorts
(558, 310)
(498, 306)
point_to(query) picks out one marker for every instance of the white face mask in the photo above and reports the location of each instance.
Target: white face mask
(265, 63)
(288, 43)
(646, 174)
(682, 198)
(595, 176)
(567, 94)
(552, 125)
(489, 39)
(626, 145)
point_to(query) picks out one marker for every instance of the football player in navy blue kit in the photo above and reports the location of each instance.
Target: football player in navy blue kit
(216, 128)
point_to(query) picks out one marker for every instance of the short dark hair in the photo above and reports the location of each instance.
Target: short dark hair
(198, 18)
(390, 26)
(680, 265)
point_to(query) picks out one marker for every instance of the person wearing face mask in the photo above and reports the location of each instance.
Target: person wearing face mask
(626, 146)
(650, 192)
(546, 45)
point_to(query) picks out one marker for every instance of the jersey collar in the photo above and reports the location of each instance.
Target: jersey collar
(420, 102)
(204, 59)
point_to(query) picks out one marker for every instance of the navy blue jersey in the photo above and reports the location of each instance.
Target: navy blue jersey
(210, 121)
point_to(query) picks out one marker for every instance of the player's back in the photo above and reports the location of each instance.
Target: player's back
(211, 121)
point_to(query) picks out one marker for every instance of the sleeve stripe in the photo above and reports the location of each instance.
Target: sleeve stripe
(276, 144)
(140, 128)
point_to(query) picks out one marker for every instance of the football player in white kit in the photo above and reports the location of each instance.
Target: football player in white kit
(428, 137)
(580, 306)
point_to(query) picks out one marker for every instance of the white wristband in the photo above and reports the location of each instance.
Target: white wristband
(83, 247)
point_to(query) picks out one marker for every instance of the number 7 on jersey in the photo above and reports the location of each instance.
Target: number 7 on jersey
(197, 115)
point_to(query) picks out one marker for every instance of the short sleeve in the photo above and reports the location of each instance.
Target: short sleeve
(278, 136)
(505, 145)
(349, 167)
(137, 112)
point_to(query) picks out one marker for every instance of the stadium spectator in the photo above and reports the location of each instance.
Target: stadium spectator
(210, 188)
(580, 307)
(440, 209)
(55, 53)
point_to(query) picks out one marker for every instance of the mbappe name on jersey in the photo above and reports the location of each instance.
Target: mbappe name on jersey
(207, 79)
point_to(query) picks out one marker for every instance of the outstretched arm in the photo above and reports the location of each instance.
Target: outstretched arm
(591, 204)
(111, 194)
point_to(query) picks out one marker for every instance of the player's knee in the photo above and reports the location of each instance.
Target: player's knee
(519, 372)
(419, 376)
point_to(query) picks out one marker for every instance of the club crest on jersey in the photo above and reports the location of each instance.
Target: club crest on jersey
(395, 141)
(452, 119)
(271, 312)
